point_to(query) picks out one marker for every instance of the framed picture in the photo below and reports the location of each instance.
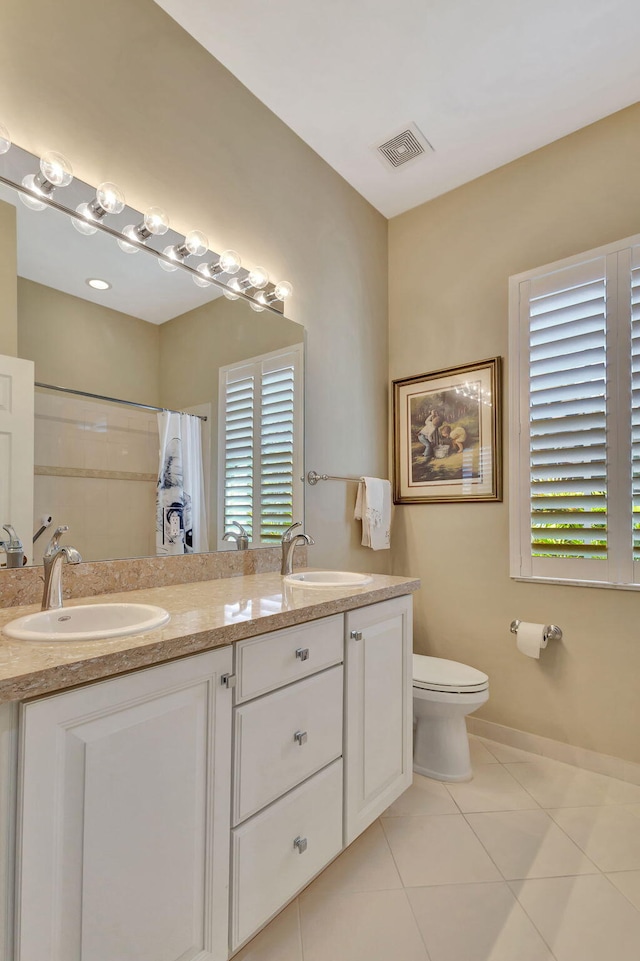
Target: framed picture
(447, 435)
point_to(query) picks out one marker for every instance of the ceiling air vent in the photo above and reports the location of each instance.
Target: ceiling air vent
(406, 145)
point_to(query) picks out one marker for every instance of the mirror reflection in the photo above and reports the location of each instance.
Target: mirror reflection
(224, 457)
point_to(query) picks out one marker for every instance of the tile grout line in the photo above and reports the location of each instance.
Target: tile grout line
(543, 877)
(393, 858)
(538, 806)
(588, 807)
(546, 811)
(531, 921)
(509, 883)
(413, 915)
(615, 887)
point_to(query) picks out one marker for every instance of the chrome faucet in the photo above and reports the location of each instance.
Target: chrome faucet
(289, 543)
(13, 548)
(241, 539)
(53, 559)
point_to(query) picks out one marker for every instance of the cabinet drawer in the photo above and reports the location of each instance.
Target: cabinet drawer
(267, 867)
(273, 660)
(269, 758)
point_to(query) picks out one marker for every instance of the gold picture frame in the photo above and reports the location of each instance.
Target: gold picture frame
(447, 435)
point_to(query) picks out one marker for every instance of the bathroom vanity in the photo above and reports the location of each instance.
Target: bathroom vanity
(179, 806)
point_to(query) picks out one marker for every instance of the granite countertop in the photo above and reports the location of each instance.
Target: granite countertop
(204, 615)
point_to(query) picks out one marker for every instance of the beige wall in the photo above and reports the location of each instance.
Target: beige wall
(450, 260)
(75, 343)
(198, 343)
(137, 101)
(8, 292)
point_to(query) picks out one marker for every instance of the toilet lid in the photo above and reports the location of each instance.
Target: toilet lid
(438, 674)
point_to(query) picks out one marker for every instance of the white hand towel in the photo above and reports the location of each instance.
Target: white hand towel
(373, 508)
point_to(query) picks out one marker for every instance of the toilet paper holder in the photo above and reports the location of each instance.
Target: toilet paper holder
(551, 631)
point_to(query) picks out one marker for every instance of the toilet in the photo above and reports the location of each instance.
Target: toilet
(444, 692)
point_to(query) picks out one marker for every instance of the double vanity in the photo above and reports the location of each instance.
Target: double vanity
(167, 793)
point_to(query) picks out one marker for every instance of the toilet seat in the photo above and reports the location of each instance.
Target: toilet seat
(439, 674)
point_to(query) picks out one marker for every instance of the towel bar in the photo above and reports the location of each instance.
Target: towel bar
(313, 477)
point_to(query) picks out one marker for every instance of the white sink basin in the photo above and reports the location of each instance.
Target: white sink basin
(327, 579)
(87, 622)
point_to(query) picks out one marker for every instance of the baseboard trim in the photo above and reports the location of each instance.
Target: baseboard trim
(557, 750)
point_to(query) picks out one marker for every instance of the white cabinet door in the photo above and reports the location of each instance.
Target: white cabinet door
(379, 710)
(123, 845)
(16, 449)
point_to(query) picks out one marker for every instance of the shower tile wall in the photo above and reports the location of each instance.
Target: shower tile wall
(108, 517)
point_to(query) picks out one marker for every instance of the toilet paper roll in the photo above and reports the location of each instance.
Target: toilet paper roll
(530, 638)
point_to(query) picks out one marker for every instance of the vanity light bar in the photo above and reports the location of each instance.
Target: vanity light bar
(55, 171)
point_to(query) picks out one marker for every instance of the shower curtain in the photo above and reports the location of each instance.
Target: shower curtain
(181, 520)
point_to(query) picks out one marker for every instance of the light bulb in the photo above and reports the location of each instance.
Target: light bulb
(56, 169)
(31, 202)
(282, 290)
(196, 243)
(202, 281)
(259, 302)
(234, 285)
(5, 139)
(129, 231)
(110, 198)
(169, 252)
(84, 226)
(258, 278)
(156, 221)
(229, 262)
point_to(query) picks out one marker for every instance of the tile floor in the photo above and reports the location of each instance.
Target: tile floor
(532, 860)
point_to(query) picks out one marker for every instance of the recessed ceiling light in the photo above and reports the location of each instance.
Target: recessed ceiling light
(98, 284)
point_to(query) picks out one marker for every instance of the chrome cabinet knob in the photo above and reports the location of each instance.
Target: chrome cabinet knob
(300, 844)
(300, 737)
(356, 635)
(302, 653)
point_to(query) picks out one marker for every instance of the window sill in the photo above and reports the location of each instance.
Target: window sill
(566, 582)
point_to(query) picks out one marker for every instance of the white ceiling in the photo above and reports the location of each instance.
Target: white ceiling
(485, 82)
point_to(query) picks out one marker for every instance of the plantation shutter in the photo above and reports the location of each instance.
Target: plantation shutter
(575, 433)
(568, 411)
(238, 460)
(276, 449)
(260, 451)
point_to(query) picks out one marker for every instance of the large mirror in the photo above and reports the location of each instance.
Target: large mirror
(115, 470)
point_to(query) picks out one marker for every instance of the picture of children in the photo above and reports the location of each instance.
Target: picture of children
(445, 437)
(429, 435)
(454, 436)
(458, 436)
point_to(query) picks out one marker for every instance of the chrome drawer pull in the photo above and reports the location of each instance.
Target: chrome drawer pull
(303, 653)
(300, 737)
(356, 635)
(300, 844)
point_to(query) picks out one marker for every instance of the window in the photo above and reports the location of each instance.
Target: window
(260, 446)
(575, 416)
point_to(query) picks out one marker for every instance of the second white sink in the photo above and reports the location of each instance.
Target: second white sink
(328, 579)
(87, 622)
